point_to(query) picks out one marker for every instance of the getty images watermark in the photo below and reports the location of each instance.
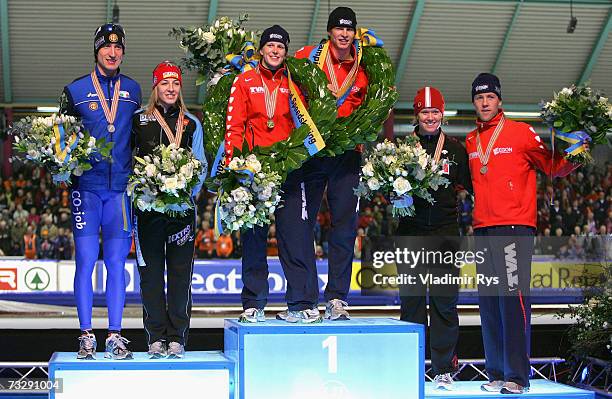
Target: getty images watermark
(500, 265)
(424, 261)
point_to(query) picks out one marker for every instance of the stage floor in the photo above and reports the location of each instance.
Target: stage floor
(539, 389)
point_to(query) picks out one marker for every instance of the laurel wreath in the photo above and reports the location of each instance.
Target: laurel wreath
(339, 134)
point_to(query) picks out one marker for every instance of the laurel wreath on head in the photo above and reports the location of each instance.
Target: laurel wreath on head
(339, 134)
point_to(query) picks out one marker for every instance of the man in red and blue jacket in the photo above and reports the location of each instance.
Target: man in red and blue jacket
(503, 158)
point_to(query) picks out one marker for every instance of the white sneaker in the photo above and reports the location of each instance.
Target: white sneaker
(512, 388)
(307, 316)
(176, 350)
(252, 315)
(492, 386)
(444, 381)
(335, 309)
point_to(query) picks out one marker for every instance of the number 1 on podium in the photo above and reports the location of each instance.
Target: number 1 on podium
(331, 343)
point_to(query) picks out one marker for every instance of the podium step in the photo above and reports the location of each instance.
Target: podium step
(540, 389)
(359, 358)
(208, 373)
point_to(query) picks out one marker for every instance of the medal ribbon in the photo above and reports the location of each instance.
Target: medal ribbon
(314, 141)
(320, 56)
(270, 98)
(109, 114)
(176, 139)
(484, 158)
(439, 146)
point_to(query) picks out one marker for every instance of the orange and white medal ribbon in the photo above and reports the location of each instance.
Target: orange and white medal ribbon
(172, 138)
(484, 157)
(348, 81)
(439, 146)
(111, 113)
(270, 99)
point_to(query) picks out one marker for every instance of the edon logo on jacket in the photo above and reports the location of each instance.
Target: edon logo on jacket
(93, 105)
(502, 150)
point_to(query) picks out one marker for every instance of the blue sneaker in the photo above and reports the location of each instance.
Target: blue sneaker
(308, 316)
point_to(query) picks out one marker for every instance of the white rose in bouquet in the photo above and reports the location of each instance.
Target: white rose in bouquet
(234, 163)
(373, 184)
(239, 209)
(240, 194)
(401, 186)
(368, 169)
(170, 184)
(187, 170)
(208, 37)
(253, 163)
(150, 170)
(265, 194)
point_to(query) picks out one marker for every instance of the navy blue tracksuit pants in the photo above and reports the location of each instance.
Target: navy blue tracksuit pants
(340, 175)
(291, 227)
(505, 308)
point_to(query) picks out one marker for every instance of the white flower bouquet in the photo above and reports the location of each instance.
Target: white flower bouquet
(249, 193)
(400, 171)
(578, 114)
(207, 47)
(163, 181)
(59, 143)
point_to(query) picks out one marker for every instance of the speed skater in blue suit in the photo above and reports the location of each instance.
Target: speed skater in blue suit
(105, 100)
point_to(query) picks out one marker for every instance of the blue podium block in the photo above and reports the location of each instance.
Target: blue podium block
(208, 375)
(539, 389)
(353, 359)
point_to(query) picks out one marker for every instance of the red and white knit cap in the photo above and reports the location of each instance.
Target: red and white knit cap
(166, 70)
(428, 97)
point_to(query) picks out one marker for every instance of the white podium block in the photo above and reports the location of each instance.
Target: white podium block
(351, 359)
(209, 375)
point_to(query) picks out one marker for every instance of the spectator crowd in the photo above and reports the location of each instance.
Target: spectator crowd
(35, 219)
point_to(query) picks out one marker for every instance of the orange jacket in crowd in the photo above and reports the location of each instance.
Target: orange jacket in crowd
(225, 246)
(29, 245)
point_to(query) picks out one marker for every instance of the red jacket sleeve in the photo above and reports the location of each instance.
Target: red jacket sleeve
(542, 158)
(235, 123)
(358, 92)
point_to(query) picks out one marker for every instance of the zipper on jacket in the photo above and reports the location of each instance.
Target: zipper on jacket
(110, 164)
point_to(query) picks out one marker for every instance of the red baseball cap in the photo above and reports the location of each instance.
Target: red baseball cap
(428, 97)
(166, 70)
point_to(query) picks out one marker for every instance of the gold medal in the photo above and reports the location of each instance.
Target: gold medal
(270, 99)
(483, 170)
(111, 128)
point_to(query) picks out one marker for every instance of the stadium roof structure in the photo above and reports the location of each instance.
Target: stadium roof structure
(442, 43)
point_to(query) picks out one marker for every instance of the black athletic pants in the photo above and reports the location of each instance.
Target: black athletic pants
(166, 241)
(443, 317)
